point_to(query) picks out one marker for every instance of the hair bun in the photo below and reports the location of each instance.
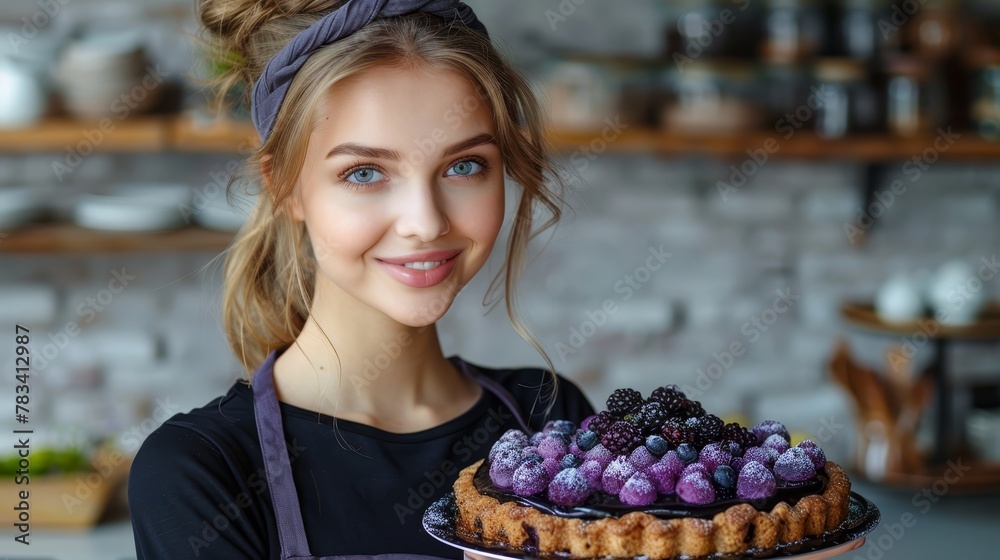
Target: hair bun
(241, 36)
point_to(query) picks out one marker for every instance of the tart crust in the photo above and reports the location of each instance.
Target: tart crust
(484, 519)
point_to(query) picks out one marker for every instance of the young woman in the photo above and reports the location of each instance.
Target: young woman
(387, 130)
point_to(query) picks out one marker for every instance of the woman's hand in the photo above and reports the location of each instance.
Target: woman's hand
(813, 556)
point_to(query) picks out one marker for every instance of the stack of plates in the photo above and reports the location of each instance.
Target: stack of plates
(135, 208)
(105, 74)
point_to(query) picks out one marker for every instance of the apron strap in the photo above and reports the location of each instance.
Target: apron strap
(291, 530)
(496, 388)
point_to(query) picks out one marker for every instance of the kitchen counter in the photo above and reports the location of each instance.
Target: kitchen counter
(939, 527)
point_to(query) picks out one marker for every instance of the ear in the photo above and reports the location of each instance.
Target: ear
(292, 204)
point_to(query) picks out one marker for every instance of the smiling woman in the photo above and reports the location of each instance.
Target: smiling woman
(388, 129)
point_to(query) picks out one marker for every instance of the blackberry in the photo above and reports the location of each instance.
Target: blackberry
(691, 409)
(677, 432)
(621, 438)
(624, 401)
(652, 417)
(707, 429)
(600, 423)
(670, 397)
(742, 436)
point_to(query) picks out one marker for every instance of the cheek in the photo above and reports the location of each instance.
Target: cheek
(482, 218)
(337, 234)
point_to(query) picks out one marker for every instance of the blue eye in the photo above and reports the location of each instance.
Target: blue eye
(364, 175)
(466, 168)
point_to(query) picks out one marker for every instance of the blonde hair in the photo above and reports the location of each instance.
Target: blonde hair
(268, 273)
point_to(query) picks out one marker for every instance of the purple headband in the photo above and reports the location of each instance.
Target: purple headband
(269, 90)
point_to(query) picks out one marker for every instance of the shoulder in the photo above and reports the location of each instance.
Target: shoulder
(214, 439)
(534, 388)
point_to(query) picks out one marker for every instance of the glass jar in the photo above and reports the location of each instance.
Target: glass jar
(858, 29)
(986, 107)
(697, 30)
(793, 31)
(841, 84)
(711, 97)
(907, 96)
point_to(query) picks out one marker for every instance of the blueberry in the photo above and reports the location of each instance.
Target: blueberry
(561, 436)
(570, 461)
(732, 447)
(532, 457)
(657, 445)
(586, 440)
(725, 476)
(564, 427)
(687, 453)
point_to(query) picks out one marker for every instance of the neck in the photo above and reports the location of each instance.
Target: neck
(371, 369)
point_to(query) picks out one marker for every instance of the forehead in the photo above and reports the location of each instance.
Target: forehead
(402, 107)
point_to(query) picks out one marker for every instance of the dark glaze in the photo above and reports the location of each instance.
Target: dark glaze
(601, 504)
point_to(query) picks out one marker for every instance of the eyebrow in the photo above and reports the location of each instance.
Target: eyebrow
(350, 148)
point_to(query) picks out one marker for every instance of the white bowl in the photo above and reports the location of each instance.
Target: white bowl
(134, 208)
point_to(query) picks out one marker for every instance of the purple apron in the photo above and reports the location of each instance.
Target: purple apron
(291, 530)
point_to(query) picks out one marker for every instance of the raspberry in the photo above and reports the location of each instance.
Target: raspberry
(623, 401)
(621, 438)
(763, 455)
(516, 436)
(502, 445)
(641, 458)
(776, 442)
(502, 468)
(794, 465)
(593, 471)
(569, 488)
(552, 467)
(638, 490)
(814, 452)
(769, 427)
(552, 448)
(663, 477)
(755, 482)
(616, 474)
(600, 454)
(530, 478)
(696, 488)
(712, 455)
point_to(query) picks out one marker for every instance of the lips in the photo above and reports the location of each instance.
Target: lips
(416, 278)
(429, 256)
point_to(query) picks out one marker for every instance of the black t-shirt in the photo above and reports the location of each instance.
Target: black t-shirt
(197, 487)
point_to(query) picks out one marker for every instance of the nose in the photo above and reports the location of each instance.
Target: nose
(422, 212)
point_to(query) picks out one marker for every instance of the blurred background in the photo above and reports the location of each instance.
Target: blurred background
(790, 205)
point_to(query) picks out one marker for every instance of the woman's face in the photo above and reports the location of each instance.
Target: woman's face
(401, 162)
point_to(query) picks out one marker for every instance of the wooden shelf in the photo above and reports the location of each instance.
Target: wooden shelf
(804, 145)
(69, 238)
(56, 135)
(185, 133)
(863, 315)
